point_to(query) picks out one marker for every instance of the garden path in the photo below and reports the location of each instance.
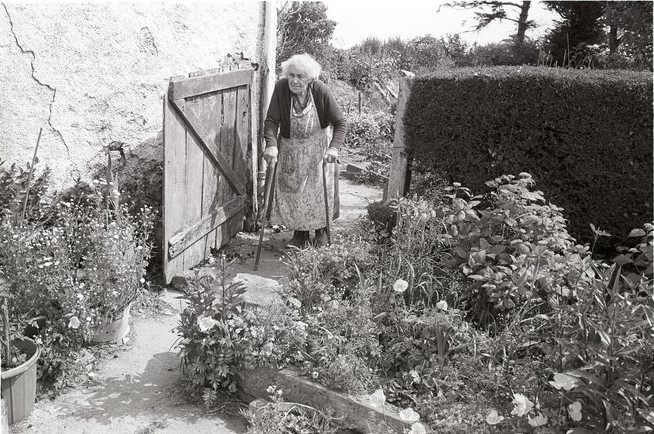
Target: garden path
(138, 390)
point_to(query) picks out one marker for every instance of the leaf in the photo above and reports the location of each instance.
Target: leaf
(494, 418)
(476, 277)
(637, 233)
(647, 414)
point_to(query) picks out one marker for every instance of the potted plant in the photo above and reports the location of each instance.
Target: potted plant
(19, 356)
(72, 271)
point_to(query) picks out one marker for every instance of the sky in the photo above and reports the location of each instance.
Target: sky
(358, 19)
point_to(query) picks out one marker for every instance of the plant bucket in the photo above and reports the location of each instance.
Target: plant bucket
(113, 331)
(19, 383)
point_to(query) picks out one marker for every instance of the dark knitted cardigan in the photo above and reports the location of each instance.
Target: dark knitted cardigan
(278, 119)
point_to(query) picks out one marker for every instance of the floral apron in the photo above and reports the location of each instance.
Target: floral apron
(298, 190)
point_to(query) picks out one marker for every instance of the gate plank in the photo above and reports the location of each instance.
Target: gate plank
(228, 134)
(174, 183)
(242, 129)
(195, 125)
(208, 107)
(186, 87)
(204, 226)
(193, 198)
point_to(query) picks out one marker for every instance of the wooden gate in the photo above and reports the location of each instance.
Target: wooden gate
(207, 133)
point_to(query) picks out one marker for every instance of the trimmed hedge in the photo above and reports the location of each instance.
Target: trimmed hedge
(584, 135)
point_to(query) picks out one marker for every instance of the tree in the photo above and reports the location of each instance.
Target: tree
(579, 34)
(618, 31)
(303, 27)
(490, 11)
(630, 30)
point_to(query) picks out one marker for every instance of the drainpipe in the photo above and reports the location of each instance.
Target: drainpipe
(267, 79)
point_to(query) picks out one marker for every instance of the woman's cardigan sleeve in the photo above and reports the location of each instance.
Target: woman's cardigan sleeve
(273, 118)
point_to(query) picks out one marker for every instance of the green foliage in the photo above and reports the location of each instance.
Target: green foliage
(72, 270)
(605, 342)
(303, 27)
(370, 136)
(221, 336)
(280, 417)
(585, 136)
(13, 186)
(328, 297)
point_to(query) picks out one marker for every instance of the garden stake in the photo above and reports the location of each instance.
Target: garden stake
(29, 177)
(324, 189)
(266, 202)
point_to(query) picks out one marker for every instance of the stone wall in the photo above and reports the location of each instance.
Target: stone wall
(94, 73)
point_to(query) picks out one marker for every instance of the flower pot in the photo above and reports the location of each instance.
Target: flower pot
(113, 331)
(19, 383)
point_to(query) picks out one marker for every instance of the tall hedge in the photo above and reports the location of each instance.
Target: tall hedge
(584, 135)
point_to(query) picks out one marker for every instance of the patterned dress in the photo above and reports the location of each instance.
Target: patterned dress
(299, 202)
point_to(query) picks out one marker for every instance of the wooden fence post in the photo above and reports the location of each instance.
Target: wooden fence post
(395, 188)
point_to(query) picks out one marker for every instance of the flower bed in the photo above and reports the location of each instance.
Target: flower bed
(475, 313)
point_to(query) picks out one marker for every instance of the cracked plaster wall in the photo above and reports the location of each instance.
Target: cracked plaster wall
(90, 74)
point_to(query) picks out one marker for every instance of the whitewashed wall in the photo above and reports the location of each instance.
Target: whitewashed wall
(92, 73)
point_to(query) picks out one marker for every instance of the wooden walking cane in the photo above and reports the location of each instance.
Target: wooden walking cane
(266, 202)
(324, 189)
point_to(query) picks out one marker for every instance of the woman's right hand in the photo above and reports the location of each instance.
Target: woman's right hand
(270, 154)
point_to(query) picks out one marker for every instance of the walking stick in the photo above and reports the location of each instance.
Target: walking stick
(324, 189)
(266, 203)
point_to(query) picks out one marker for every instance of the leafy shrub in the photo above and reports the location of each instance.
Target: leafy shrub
(370, 135)
(71, 272)
(585, 136)
(221, 336)
(13, 186)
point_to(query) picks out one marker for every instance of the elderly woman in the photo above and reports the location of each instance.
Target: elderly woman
(297, 133)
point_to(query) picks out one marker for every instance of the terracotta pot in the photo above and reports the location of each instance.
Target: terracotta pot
(19, 383)
(113, 331)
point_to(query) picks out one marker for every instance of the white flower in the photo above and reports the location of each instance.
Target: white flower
(80, 296)
(74, 323)
(564, 381)
(206, 323)
(400, 286)
(409, 415)
(537, 421)
(418, 428)
(522, 405)
(494, 418)
(378, 398)
(574, 410)
(442, 305)
(142, 280)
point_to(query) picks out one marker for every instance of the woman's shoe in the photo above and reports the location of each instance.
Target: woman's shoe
(321, 237)
(300, 239)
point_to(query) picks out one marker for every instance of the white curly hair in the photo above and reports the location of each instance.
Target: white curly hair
(304, 62)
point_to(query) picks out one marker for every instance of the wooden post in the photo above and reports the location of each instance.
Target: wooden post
(359, 103)
(396, 186)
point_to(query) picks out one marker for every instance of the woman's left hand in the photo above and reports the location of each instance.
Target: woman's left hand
(331, 155)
